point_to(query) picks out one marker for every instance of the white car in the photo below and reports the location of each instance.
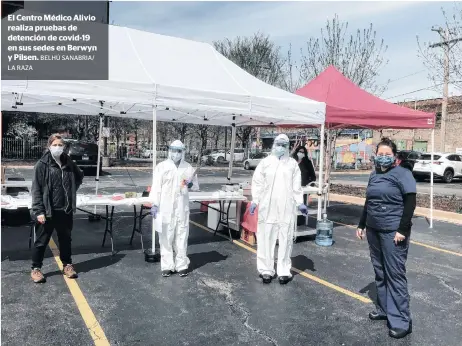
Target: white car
(222, 156)
(254, 160)
(445, 166)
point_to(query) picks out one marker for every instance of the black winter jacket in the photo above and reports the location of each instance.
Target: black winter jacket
(55, 188)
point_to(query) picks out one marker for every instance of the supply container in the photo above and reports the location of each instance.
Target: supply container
(324, 232)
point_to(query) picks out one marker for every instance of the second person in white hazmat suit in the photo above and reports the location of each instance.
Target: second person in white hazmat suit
(277, 191)
(172, 180)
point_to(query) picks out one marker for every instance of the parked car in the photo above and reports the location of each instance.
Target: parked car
(410, 156)
(147, 154)
(222, 156)
(445, 166)
(254, 159)
(84, 154)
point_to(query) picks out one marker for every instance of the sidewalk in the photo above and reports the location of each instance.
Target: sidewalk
(439, 215)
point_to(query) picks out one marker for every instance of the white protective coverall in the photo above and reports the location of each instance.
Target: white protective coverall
(172, 198)
(277, 191)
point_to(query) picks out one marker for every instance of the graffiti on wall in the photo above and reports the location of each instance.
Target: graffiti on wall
(350, 153)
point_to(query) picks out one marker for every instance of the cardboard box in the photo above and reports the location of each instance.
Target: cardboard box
(248, 237)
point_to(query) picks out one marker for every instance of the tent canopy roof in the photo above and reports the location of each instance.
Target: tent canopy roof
(347, 105)
(187, 81)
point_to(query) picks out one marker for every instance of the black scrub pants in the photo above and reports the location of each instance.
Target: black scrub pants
(301, 218)
(389, 262)
(62, 223)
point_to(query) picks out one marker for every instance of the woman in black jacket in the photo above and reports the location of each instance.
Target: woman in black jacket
(54, 190)
(308, 174)
(387, 214)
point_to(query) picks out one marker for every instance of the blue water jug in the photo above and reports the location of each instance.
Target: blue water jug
(324, 232)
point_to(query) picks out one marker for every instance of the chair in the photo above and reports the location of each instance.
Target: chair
(138, 218)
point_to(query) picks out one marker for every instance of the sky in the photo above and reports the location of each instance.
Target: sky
(293, 23)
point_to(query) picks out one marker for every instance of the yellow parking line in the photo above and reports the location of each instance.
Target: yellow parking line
(298, 271)
(94, 328)
(412, 241)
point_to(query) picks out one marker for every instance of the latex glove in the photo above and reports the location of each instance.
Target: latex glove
(189, 184)
(253, 206)
(154, 210)
(41, 219)
(303, 209)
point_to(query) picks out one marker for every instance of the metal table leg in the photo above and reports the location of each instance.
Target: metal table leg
(109, 229)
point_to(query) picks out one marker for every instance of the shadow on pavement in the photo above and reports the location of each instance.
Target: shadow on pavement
(371, 291)
(200, 259)
(92, 264)
(303, 263)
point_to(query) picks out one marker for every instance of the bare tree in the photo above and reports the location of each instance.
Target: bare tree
(359, 57)
(262, 58)
(433, 58)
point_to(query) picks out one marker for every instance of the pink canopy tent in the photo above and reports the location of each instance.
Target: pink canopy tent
(347, 105)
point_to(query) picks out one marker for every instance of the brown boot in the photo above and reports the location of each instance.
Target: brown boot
(37, 276)
(69, 271)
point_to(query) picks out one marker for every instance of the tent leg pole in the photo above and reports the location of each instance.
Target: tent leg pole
(233, 146)
(321, 164)
(150, 254)
(327, 175)
(98, 162)
(432, 178)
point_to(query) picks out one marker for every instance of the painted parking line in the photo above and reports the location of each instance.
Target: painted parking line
(93, 326)
(412, 241)
(298, 271)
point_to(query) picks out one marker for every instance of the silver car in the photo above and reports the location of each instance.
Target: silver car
(254, 160)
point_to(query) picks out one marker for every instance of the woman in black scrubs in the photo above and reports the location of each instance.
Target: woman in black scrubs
(308, 174)
(390, 204)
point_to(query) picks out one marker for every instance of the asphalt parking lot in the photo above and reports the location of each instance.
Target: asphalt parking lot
(124, 300)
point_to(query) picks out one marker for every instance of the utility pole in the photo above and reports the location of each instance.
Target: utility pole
(447, 44)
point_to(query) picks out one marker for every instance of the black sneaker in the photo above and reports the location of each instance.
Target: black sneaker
(283, 280)
(183, 273)
(266, 278)
(166, 273)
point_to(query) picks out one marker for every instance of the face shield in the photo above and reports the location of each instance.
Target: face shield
(281, 145)
(176, 151)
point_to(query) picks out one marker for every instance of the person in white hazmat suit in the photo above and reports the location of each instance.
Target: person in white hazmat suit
(277, 191)
(172, 180)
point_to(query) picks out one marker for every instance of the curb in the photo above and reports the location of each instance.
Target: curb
(438, 215)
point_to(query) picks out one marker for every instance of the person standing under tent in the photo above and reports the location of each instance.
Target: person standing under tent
(172, 180)
(307, 172)
(387, 218)
(54, 200)
(277, 191)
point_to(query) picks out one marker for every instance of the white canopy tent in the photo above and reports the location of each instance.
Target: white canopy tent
(164, 78)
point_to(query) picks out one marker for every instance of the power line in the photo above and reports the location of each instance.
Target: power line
(409, 75)
(417, 90)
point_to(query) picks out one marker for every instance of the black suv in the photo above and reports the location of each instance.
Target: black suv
(409, 156)
(84, 154)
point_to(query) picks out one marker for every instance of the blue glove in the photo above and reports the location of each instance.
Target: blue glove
(154, 211)
(303, 209)
(253, 206)
(189, 184)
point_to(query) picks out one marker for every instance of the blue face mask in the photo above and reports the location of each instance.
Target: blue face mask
(384, 161)
(279, 151)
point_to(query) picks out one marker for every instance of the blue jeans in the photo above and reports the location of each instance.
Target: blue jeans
(389, 262)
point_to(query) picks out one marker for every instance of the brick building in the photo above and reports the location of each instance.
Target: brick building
(420, 140)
